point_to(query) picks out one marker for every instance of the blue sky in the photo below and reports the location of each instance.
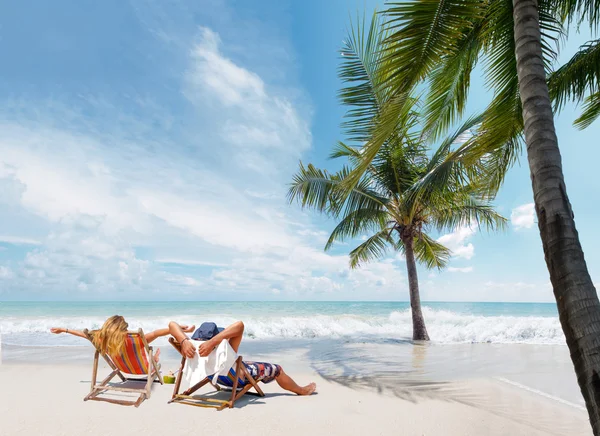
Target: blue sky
(145, 150)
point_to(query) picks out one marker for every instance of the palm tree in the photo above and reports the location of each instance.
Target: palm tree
(442, 41)
(402, 196)
(405, 192)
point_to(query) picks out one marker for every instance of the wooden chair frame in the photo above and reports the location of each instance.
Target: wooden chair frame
(103, 386)
(193, 400)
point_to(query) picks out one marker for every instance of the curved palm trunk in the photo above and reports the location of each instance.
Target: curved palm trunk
(576, 297)
(419, 329)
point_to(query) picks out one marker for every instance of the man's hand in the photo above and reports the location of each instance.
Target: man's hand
(188, 329)
(188, 349)
(57, 330)
(206, 348)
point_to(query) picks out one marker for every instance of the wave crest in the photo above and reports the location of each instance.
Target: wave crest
(444, 326)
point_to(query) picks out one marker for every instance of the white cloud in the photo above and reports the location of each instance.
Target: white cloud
(466, 269)
(456, 242)
(216, 223)
(16, 240)
(190, 262)
(313, 233)
(183, 280)
(256, 119)
(523, 217)
(5, 273)
(113, 193)
(307, 273)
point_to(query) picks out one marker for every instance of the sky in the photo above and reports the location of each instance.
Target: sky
(146, 149)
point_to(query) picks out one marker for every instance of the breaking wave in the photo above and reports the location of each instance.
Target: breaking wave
(444, 327)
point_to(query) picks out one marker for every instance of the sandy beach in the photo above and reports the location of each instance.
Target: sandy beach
(46, 399)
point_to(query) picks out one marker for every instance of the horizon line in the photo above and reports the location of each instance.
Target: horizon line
(272, 301)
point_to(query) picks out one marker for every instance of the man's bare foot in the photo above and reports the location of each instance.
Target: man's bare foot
(157, 355)
(309, 389)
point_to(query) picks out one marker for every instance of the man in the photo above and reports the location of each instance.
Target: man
(234, 334)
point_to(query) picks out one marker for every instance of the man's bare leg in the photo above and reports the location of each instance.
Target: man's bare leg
(287, 383)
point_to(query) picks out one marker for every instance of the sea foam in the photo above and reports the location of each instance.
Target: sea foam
(444, 327)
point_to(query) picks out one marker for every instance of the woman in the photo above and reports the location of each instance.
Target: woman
(234, 333)
(110, 339)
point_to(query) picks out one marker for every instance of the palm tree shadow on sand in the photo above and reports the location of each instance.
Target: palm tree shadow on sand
(409, 373)
(357, 368)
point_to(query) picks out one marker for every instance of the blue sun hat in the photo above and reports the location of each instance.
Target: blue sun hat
(206, 331)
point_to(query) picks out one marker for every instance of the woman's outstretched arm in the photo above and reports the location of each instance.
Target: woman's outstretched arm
(58, 330)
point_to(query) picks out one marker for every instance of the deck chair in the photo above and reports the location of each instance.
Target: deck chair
(137, 360)
(238, 380)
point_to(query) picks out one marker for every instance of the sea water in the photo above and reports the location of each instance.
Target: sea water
(29, 323)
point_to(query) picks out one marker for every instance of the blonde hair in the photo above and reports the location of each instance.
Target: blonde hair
(110, 339)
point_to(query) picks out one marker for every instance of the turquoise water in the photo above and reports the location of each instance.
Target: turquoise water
(145, 308)
(536, 323)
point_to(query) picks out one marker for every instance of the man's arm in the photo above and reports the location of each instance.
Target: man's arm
(187, 348)
(164, 332)
(233, 334)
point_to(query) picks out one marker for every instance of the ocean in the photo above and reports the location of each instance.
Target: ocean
(28, 323)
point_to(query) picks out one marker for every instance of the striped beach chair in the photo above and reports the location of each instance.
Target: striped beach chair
(135, 364)
(239, 380)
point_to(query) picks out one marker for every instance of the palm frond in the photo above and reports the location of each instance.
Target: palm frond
(419, 35)
(449, 84)
(343, 202)
(359, 71)
(340, 149)
(422, 32)
(591, 111)
(356, 223)
(465, 210)
(430, 252)
(460, 136)
(578, 77)
(396, 112)
(312, 187)
(499, 138)
(449, 169)
(373, 248)
(578, 11)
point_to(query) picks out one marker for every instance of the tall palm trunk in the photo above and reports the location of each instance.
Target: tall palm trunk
(419, 329)
(576, 297)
